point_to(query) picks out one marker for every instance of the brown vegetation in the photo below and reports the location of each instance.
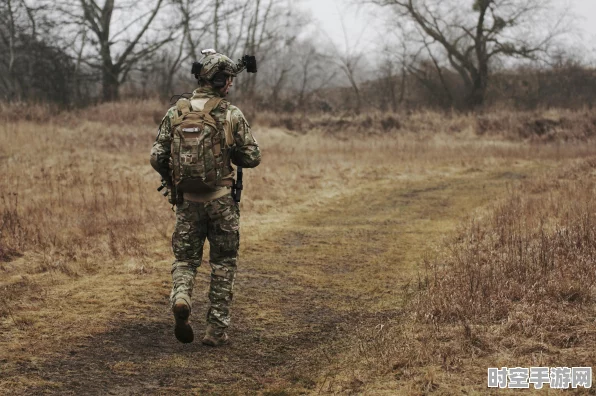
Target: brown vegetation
(555, 125)
(513, 286)
(337, 223)
(528, 264)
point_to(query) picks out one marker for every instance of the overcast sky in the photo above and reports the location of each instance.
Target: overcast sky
(360, 25)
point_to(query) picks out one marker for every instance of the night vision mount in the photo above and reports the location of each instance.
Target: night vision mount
(196, 69)
(248, 62)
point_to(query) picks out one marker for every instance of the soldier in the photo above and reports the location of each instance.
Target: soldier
(205, 213)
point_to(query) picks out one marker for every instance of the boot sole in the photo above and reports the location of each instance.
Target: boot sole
(213, 343)
(183, 330)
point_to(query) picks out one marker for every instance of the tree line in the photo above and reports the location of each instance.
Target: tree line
(439, 53)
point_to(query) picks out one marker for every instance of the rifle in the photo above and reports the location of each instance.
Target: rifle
(164, 184)
(237, 186)
(173, 198)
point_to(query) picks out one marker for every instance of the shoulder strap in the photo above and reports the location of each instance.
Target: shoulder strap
(228, 128)
(198, 104)
(211, 104)
(181, 108)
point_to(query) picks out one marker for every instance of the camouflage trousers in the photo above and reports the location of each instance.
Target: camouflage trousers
(218, 222)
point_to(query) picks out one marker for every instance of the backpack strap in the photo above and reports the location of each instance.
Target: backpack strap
(228, 128)
(182, 109)
(183, 106)
(198, 104)
(228, 180)
(212, 104)
(209, 106)
(216, 141)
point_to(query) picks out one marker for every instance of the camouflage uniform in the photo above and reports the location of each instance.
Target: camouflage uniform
(215, 219)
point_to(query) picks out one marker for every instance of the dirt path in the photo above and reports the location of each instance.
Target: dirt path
(301, 291)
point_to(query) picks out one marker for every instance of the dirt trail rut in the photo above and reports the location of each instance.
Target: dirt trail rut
(301, 290)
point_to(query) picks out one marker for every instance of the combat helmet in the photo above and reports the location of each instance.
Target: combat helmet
(216, 67)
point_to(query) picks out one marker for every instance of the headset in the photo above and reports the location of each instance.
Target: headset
(219, 79)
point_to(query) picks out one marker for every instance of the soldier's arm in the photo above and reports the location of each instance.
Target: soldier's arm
(160, 152)
(246, 151)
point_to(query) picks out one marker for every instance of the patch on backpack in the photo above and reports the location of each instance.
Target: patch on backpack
(189, 158)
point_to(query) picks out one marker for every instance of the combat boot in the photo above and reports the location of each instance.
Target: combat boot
(182, 330)
(215, 336)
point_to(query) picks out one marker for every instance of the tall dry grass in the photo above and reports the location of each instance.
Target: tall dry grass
(75, 187)
(528, 266)
(546, 125)
(137, 112)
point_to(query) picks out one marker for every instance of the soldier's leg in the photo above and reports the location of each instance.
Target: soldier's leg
(187, 243)
(224, 240)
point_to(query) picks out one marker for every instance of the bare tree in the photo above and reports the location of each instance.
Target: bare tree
(472, 38)
(195, 18)
(312, 73)
(397, 57)
(32, 66)
(265, 28)
(17, 19)
(282, 74)
(119, 52)
(281, 53)
(9, 38)
(428, 70)
(258, 34)
(164, 67)
(348, 60)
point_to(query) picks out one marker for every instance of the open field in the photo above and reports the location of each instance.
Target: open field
(398, 254)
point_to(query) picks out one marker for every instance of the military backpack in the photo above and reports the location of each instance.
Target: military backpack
(200, 149)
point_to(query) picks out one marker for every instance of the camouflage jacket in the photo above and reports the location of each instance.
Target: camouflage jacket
(244, 152)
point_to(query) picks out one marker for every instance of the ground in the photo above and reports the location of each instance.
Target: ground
(334, 231)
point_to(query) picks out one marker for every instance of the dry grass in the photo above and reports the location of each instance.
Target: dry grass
(136, 112)
(514, 286)
(518, 282)
(534, 126)
(539, 126)
(535, 251)
(335, 223)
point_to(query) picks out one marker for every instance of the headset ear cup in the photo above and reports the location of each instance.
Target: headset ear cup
(219, 80)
